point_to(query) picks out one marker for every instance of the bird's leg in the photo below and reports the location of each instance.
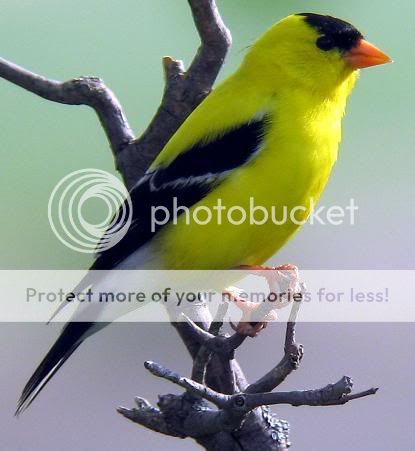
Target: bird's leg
(282, 280)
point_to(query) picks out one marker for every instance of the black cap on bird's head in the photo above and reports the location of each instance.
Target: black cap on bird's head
(317, 52)
(334, 33)
(337, 34)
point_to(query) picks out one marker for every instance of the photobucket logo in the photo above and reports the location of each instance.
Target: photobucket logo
(254, 214)
(68, 204)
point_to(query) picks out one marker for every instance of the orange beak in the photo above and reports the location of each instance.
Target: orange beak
(366, 54)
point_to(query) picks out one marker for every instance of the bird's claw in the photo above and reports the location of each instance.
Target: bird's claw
(247, 326)
(283, 281)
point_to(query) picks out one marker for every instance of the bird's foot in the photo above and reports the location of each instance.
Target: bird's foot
(247, 325)
(283, 281)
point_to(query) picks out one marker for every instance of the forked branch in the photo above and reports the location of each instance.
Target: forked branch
(183, 92)
(90, 91)
(232, 413)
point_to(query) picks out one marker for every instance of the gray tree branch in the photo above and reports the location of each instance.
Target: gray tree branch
(90, 91)
(184, 90)
(232, 411)
(293, 353)
(332, 394)
(148, 416)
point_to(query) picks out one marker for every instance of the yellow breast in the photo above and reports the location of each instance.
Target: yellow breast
(291, 169)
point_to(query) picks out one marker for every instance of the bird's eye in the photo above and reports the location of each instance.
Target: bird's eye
(325, 43)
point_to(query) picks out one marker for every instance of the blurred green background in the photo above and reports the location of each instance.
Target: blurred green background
(40, 142)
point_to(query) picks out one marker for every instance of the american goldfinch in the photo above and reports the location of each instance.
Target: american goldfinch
(270, 132)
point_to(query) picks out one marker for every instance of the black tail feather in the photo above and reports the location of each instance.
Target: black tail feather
(71, 337)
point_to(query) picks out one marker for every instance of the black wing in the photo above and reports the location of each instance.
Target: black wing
(187, 179)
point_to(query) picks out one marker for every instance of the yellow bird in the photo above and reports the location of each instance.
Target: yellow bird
(266, 137)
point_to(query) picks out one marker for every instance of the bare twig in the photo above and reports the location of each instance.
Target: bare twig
(207, 393)
(219, 344)
(223, 349)
(293, 353)
(218, 368)
(218, 320)
(232, 410)
(215, 41)
(330, 395)
(184, 90)
(202, 336)
(204, 354)
(90, 91)
(290, 331)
